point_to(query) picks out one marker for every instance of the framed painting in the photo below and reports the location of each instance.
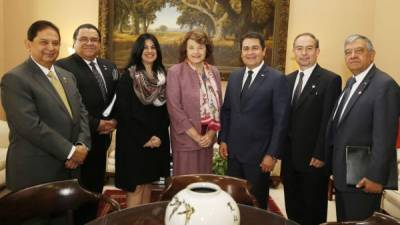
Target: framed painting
(122, 21)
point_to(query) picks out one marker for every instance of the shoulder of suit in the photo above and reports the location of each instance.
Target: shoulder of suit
(271, 71)
(63, 71)
(175, 69)
(106, 62)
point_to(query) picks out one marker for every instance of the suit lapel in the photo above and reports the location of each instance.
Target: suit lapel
(255, 84)
(357, 93)
(237, 85)
(291, 81)
(311, 85)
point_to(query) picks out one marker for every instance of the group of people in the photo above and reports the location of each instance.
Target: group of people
(62, 114)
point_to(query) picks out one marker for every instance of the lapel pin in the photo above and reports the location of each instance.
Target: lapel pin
(262, 75)
(313, 86)
(105, 67)
(360, 92)
(65, 79)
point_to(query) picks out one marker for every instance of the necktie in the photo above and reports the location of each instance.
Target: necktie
(247, 83)
(60, 90)
(345, 97)
(99, 80)
(297, 90)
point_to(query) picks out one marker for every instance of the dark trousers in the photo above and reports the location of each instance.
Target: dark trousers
(306, 198)
(252, 172)
(358, 205)
(92, 177)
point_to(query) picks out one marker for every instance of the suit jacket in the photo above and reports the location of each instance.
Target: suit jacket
(89, 88)
(257, 124)
(370, 119)
(183, 103)
(42, 132)
(309, 117)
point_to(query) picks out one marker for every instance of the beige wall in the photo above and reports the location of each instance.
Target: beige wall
(1, 36)
(333, 21)
(19, 14)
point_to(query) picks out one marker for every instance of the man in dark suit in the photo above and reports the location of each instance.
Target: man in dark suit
(97, 79)
(365, 115)
(49, 131)
(254, 118)
(314, 92)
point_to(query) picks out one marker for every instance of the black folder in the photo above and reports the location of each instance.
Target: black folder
(357, 161)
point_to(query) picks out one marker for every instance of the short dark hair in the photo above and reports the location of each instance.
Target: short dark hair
(137, 51)
(253, 35)
(39, 26)
(87, 26)
(307, 34)
(200, 37)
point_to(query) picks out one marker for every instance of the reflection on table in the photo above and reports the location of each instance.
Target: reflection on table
(153, 214)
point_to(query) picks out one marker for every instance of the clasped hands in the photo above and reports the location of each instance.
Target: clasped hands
(78, 157)
(205, 140)
(107, 126)
(154, 142)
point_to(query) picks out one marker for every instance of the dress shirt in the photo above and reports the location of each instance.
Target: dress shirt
(255, 73)
(359, 78)
(307, 73)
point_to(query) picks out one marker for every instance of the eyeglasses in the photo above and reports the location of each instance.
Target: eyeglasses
(251, 48)
(86, 40)
(357, 51)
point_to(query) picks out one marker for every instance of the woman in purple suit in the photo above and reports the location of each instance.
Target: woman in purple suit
(193, 101)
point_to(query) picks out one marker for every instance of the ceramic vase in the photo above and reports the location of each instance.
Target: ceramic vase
(202, 203)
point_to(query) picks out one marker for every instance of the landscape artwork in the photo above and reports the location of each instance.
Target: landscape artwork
(225, 21)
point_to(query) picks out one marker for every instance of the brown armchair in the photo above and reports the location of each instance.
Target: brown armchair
(47, 199)
(237, 188)
(376, 219)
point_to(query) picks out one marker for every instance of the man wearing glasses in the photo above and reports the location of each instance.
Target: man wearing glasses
(96, 80)
(366, 118)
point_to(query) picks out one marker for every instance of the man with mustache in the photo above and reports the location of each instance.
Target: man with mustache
(96, 79)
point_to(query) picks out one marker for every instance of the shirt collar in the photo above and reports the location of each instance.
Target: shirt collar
(359, 77)
(44, 69)
(255, 70)
(88, 61)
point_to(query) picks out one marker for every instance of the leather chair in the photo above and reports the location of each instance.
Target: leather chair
(376, 219)
(47, 199)
(237, 188)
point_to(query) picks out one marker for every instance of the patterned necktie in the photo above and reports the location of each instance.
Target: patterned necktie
(346, 94)
(297, 91)
(60, 90)
(99, 80)
(246, 83)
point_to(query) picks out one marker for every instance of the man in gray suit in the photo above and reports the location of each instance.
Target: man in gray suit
(49, 132)
(365, 115)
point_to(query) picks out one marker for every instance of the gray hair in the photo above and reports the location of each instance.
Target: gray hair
(355, 37)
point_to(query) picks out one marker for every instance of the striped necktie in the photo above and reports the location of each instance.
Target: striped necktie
(60, 90)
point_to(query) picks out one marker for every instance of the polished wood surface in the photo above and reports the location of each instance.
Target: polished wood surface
(153, 214)
(238, 188)
(47, 199)
(376, 219)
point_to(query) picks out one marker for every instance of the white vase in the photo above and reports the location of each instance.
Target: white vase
(202, 203)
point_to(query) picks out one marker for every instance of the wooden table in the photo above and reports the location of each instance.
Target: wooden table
(153, 214)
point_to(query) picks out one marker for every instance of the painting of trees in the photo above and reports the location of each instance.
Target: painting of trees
(225, 21)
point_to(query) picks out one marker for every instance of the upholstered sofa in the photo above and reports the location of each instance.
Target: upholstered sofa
(391, 199)
(3, 152)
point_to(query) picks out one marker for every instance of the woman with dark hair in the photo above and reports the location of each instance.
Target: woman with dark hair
(142, 144)
(194, 100)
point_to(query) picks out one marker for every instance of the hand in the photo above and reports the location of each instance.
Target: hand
(80, 154)
(268, 163)
(107, 126)
(370, 186)
(223, 150)
(316, 163)
(207, 139)
(70, 164)
(154, 142)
